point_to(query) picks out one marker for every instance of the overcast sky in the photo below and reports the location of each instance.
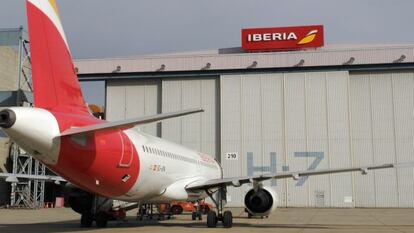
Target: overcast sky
(117, 28)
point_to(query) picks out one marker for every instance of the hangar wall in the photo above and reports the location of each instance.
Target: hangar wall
(278, 122)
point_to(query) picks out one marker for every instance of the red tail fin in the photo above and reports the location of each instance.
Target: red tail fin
(55, 83)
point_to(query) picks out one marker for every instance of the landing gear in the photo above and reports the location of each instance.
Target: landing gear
(212, 219)
(225, 217)
(98, 212)
(86, 219)
(101, 219)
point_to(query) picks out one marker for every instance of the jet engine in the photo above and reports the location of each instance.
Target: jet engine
(260, 202)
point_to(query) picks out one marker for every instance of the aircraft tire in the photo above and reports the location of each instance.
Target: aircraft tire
(86, 220)
(101, 220)
(211, 219)
(227, 219)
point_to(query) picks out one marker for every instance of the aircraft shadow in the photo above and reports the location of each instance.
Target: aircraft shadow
(73, 226)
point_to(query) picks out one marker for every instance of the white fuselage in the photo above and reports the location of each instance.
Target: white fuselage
(166, 168)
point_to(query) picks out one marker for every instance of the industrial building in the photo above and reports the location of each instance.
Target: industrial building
(329, 107)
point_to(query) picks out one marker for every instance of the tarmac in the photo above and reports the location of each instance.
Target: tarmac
(283, 220)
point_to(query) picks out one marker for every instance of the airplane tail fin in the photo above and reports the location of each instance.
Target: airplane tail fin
(55, 82)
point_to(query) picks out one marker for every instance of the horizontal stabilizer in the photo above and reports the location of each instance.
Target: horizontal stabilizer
(126, 124)
(10, 177)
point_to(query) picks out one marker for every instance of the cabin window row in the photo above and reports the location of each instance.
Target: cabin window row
(163, 153)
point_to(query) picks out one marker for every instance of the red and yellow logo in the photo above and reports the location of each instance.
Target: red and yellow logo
(308, 38)
(282, 38)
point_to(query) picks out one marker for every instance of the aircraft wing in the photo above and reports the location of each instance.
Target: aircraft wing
(10, 177)
(125, 124)
(238, 181)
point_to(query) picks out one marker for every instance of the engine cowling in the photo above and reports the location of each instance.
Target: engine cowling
(261, 202)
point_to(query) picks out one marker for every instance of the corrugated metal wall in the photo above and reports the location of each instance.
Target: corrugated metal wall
(382, 108)
(321, 120)
(291, 121)
(199, 131)
(128, 99)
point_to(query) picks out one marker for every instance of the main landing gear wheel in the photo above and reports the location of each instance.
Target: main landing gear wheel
(212, 219)
(101, 219)
(227, 219)
(86, 219)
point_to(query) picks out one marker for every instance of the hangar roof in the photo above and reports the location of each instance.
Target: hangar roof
(234, 58)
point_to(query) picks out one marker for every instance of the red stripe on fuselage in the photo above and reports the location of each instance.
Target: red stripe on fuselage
(96, 166)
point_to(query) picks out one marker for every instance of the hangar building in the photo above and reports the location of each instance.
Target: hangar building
(319, 108)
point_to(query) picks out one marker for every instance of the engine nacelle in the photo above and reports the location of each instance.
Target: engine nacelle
(261, 202)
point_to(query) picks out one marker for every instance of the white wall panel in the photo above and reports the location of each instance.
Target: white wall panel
(198, 131)
(115, 101)
(129, 99)
(316, 127)
(383, 139)
(272, 105)
(361, 115)
(172, 101)
(231, 134)
(339, 137)
(403, 84)
(295, 107)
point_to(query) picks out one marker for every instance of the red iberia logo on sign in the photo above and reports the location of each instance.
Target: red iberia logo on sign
(284, 38)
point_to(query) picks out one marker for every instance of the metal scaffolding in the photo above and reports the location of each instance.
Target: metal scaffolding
(25, 193)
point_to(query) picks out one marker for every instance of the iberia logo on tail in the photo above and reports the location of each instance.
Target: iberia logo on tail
(282, 38)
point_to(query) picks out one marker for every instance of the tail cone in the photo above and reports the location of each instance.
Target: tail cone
(7, 118)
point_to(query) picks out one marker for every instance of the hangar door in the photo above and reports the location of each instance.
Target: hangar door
(200, 132)
(382, 126)
(320, 120)
(286, 122)
(134, 98)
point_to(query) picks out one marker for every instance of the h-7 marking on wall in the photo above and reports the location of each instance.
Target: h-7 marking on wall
(251, 169)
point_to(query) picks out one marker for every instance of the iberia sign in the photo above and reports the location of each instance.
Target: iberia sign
(283, 38)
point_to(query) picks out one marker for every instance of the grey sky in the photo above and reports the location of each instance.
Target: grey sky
(103, 28)
(116, 28)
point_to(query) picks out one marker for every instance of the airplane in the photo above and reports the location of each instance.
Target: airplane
(113, 159)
